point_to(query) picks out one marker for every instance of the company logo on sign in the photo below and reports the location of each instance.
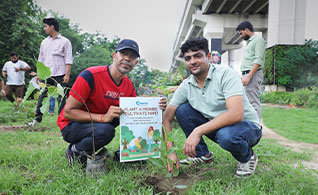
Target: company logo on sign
(141, 103)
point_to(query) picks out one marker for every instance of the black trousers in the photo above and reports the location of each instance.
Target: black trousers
(53, 81)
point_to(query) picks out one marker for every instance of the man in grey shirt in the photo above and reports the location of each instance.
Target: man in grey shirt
(212, 102)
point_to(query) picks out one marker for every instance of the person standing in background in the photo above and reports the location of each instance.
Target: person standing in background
(14, 71)
(252, 64)
(55, 53)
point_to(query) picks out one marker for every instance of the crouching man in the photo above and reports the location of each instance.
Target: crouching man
(212, 102)
(98, 89)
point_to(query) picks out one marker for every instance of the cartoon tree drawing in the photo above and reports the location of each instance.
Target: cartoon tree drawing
(126, 135)
(156, 136)
(143, 143)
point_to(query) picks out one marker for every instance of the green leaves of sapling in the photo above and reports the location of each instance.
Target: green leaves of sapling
(43, 72)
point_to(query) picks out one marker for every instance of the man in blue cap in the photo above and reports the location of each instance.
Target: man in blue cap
(95, 97)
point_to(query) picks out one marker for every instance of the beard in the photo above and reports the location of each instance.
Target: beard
(15, 61)
(246, 37)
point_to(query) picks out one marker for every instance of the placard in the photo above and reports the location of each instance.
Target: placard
(140, 128)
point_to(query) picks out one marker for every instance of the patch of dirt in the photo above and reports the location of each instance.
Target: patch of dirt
(174, 185)
(295, 146)
(19, 128)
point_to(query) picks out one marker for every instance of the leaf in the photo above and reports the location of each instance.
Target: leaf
(157, 162)
(45, 105)
(43, 71)
(172, 150)
(176, 172)
(181, 186)
(174, 134)
(168, 175)
(51, 90)
(29, 91)
(60, 89)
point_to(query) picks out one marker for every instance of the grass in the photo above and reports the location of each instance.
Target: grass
(33, 162)
(295, 124)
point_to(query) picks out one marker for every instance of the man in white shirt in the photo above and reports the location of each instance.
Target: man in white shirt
(14, 71)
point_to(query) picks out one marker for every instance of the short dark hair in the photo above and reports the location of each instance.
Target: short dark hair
(52, 21)
(244, 25)
(13, 54)
(195, 44)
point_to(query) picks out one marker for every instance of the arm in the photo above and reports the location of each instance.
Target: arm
(26, 68)
(73, 112)
(4, 73)
(67, 74)
(233, 115)
(247, 79)
(68, 61)
(3, 93)
(167, 121)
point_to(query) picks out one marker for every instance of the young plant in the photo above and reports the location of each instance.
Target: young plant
(164, 161)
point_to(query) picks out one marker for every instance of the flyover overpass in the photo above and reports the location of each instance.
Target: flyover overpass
(280, 21)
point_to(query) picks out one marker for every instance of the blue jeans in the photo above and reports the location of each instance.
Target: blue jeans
(52, 105)
(238, 139)
(80, 135)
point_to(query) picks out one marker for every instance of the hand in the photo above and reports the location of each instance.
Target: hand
(191, 143)
(174, 158)
(113, 112)
(3, 92)
(32, 73)
(245, 80)
(163, 103)
(17, 69)
(66, 78)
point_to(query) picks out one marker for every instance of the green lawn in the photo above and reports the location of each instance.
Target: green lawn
(34, 162)
(300, 125)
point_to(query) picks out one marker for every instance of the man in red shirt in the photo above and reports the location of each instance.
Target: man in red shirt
(95, 96)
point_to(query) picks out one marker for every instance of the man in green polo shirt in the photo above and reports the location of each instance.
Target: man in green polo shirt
(252, 64)
(212, 102)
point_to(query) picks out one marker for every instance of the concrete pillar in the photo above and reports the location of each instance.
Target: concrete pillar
(286, 22)
(231, 58)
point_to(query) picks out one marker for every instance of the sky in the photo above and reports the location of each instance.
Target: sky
(153, 24)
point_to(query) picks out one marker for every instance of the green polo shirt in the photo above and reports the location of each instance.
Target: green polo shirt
(221, 83)
(254, 53)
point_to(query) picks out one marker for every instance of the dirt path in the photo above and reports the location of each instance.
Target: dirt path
(295, 146)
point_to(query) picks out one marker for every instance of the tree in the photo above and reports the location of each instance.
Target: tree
(292, 66)
(156, 136)
(127, 135)
(20, 29)
(99, 52)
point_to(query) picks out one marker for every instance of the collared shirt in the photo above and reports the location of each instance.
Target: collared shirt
(222, 82)
(56, 53)
(13, 77)
(254, 53)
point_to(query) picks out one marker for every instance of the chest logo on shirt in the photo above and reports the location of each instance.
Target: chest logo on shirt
(113, 95)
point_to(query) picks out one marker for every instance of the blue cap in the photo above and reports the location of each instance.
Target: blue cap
(128, 44)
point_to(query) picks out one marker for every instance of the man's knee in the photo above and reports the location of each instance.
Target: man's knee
(182, 110)
(106, 132)
(227, 140)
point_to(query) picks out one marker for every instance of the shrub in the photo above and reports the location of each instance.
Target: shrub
(307, 97)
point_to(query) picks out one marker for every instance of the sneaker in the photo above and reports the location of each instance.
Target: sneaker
(198, 160)
(248, 168)
(70, 155)
(33, 123)
(51, 113)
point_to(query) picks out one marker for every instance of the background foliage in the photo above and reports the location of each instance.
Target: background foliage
(295, 66)
(302, 97)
